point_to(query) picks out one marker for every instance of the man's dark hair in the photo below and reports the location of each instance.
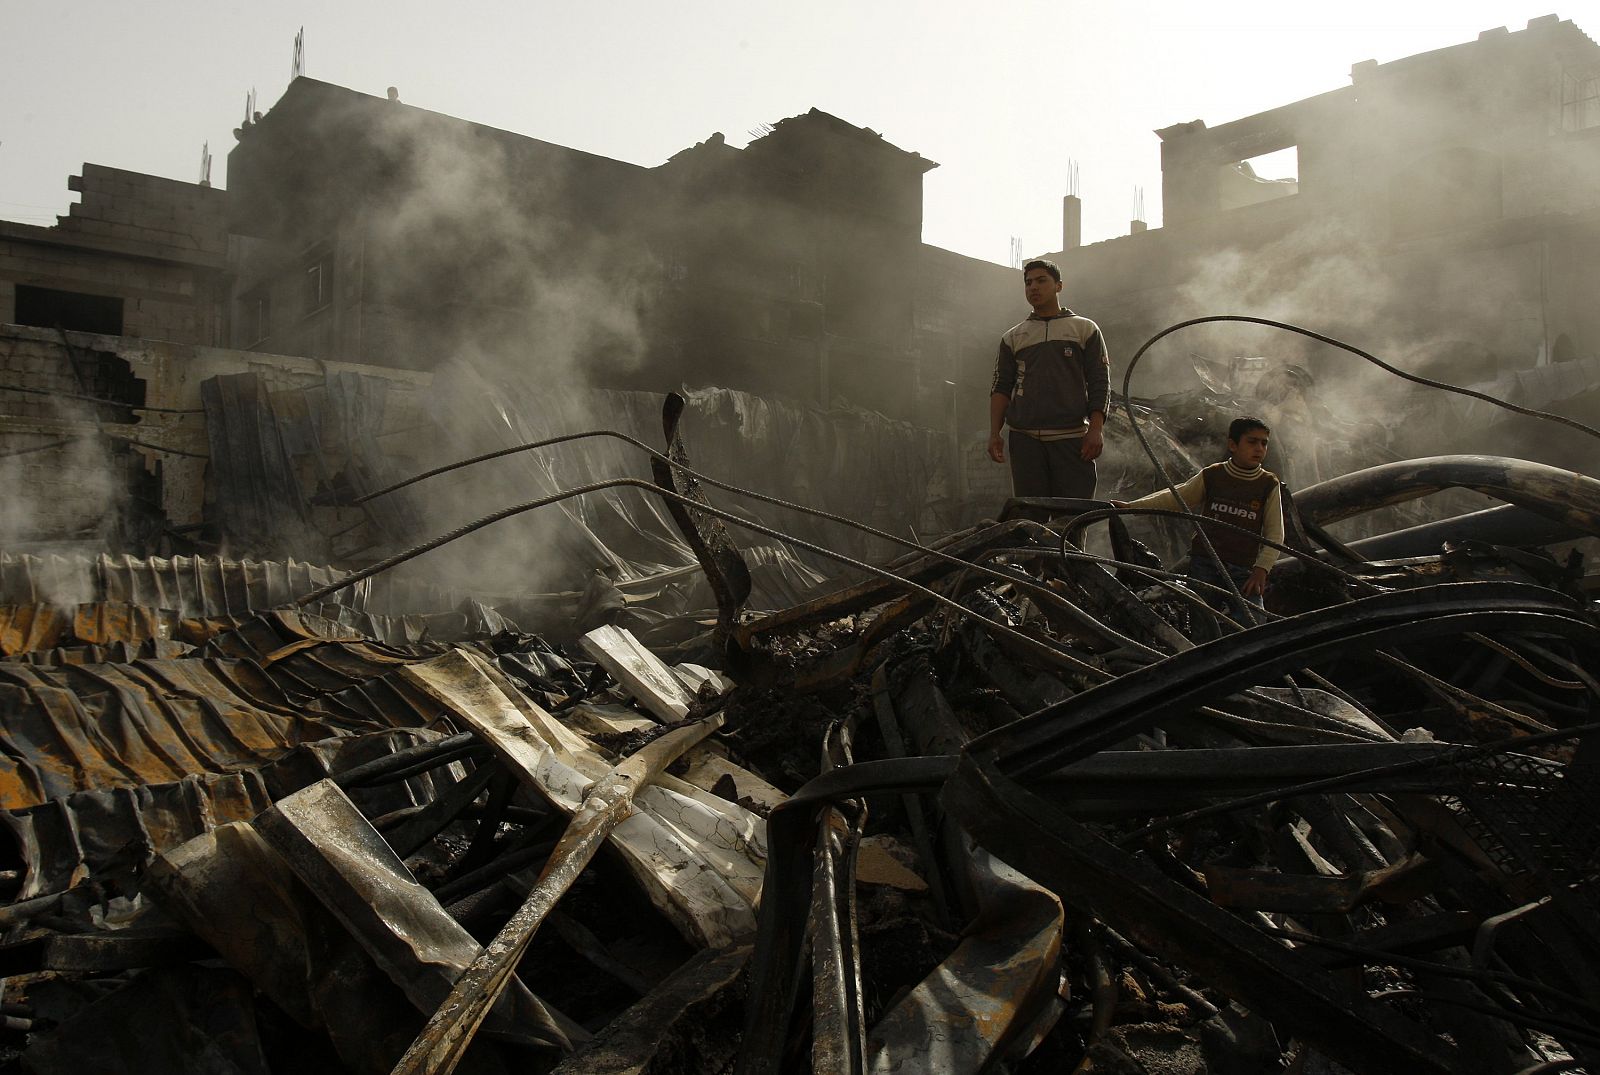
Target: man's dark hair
(1048, 266)
(1240, 426)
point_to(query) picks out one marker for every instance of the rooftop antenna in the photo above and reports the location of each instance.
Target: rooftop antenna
(759, 131)
(1138, 203)
(205, 165)
(299, 67)
(1072, 177)
(250, 107)
(1016, 251)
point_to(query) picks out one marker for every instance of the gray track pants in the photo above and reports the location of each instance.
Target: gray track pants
(1050, 468)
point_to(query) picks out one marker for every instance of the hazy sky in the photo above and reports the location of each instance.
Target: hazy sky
(1000, 94)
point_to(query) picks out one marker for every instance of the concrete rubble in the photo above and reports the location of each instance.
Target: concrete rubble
(1001, 804)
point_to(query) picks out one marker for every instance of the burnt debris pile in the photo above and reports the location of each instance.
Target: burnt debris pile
(1001, 804)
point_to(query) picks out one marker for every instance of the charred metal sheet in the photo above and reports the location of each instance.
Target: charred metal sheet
(688, 1022)
(989, 993)
(917, 567)
(27, 628)
(75, 727)
(259, 501)
(107, 835)
(777, 964)
(31, 628)
(236, 893)
(491, 976)
(203, 587)
(707, 535)
(986, 996)
(697, 857)
(159, 649)
(78, 727)
(1167, 919)
(341, 858)
(644, 674)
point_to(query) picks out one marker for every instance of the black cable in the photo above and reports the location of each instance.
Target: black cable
(1304, 557)
(101, 400)
(152, 447)
(40, 447)
(1133, 420)
(1474, 974)
(1376, 361)
(716, 483)
(1397, 769)
(1052, 652)
(1517, 1015)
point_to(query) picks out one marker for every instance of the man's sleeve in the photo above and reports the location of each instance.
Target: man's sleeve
(1005, 370)
(1192, 491)
(1271, 529)
(1096, 372)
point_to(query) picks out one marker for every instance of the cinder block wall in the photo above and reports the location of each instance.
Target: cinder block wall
(179, 220)
(157, 244)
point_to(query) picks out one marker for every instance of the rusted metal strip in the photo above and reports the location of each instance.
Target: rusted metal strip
(443, 1041)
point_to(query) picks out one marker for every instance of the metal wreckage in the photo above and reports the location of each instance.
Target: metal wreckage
(1001, 804)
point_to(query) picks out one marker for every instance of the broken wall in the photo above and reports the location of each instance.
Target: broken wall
(139, 255)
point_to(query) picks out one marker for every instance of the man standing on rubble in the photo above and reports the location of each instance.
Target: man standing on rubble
(1050, 384)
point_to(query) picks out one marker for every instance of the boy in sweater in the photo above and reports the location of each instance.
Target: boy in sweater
(1239, 491)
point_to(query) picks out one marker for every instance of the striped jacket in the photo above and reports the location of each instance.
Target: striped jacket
(1056, 371)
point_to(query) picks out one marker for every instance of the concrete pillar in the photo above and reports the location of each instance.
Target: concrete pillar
(1136, 226)
(1071, 222)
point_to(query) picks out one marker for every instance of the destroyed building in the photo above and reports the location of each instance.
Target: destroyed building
(1441, 210)
(394, 678)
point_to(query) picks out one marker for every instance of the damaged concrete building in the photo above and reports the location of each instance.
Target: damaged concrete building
(1442, 212)
(471, 604)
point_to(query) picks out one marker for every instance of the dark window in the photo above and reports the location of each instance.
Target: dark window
(48, 308)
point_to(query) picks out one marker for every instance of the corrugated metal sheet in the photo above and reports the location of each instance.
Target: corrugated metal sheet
(206, 586)
(109, 834)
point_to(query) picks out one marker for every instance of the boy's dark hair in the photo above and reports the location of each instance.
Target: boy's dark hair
(1048, 266)
(1240, 426)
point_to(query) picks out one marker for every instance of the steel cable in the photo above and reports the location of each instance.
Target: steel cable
(1052, 653)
